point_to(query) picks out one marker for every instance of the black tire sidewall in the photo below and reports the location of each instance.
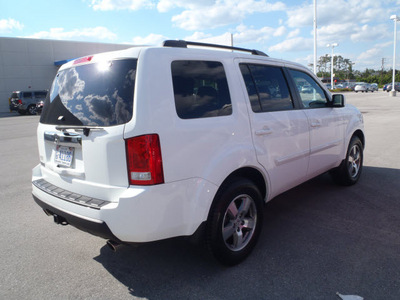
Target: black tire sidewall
(33, 110)
(214, 224)
(342, 174)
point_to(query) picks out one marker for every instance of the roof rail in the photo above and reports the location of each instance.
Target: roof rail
(184, 44)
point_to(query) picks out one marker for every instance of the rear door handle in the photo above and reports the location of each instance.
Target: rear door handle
(264, 131)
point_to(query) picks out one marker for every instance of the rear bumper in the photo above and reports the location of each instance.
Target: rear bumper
(135, 214)
(96, 228)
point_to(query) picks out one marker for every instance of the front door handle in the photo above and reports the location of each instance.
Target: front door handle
(316, 123)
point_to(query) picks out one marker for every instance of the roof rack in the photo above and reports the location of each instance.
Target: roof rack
(184, 44)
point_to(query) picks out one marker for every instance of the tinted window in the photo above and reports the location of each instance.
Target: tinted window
(27, 94)
(267, 88)
(40, 94)
(200, 89)
(99, 94)
(311, 93)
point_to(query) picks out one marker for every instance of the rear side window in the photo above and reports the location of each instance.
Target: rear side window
(99, 94)
(40, 95)
(200, 89)
(267, 88)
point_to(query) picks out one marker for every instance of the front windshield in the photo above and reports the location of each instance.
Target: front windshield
(99, 94)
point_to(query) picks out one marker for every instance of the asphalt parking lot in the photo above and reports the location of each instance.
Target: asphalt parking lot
(318, 239)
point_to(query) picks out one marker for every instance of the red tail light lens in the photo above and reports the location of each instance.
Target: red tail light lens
(144, 160)
(19, 101)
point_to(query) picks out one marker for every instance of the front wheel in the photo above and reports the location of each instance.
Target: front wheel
(349, 171)
(235, 221)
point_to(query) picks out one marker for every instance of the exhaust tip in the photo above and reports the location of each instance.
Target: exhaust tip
(60, 220)
(113, 245)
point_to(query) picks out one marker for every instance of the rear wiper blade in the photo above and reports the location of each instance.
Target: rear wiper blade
(85, 129)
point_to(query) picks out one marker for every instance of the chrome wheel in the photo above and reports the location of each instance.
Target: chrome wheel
(354, 161)
(239, 222)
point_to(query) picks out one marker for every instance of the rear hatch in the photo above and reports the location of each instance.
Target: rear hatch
(80, 135)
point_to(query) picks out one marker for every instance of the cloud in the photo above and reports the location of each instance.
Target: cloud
(294, 44)
(101, 33)
(105, 5)
(151, 39)
(210, 14)
(373, 55)
(246, 35)
(368, 33)
(7, 25)
(339, 12)
(197, 36)
(293, 33)
(167, 5)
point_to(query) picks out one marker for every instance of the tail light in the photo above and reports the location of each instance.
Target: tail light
(144, 160)
(19, 101)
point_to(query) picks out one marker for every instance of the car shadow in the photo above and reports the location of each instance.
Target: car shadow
(317, 239)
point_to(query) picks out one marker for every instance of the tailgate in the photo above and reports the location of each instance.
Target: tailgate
(92, 165)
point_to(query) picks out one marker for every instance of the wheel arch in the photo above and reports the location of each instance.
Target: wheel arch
(358, 133)
(249, 173)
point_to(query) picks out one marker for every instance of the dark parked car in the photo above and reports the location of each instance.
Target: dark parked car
(385, 86)
(25, 101)
(396, 85)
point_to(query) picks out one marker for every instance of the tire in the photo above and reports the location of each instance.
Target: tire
(235, 221)
(31, 109)
(349, 171)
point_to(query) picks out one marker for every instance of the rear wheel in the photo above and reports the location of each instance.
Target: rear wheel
(235, 222)
(32, 109)
(349, 172)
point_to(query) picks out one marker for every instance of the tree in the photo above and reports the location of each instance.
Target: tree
(342, 67)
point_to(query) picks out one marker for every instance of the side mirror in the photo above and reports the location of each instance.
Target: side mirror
(338, 100)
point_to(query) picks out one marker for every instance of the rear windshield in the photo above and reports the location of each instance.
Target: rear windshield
(99, 94)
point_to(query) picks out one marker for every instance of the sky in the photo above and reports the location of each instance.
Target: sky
(283, 29)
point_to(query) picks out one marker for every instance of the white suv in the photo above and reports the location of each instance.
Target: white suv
(152, 143)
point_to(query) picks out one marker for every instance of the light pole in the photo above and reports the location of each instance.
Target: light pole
(315, 37)
(333, 45)
(395, 19)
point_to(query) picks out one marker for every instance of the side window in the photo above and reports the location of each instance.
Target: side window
(200, 89)
(40, 94)
(311, 94)
(267, 88)
(27, 94)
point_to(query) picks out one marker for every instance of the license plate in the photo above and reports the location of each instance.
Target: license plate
(64, 155)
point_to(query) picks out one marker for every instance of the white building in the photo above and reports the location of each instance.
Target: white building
(31, 64)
